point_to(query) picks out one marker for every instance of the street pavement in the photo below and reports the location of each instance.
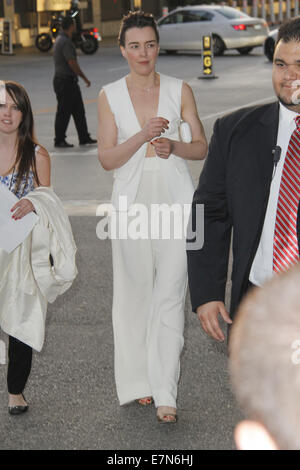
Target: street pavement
(71, 391)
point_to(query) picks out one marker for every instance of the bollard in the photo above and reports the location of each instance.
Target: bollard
(245, 6)
(263, 9)
(207, 58)
(288, 9)
(280, 14)
(254, 8)
(272, 12)
(165, 11)
(7, 48)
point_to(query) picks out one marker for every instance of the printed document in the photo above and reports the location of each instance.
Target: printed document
(13, 232)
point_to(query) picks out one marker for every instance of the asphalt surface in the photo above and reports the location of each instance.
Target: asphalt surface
(71, 392)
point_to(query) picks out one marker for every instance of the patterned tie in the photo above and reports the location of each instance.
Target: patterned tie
(285, 248)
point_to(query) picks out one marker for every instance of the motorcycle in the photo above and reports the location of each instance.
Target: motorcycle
(87, 39)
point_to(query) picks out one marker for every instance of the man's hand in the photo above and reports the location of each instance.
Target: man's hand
(87, 82)
(163, 147)
(208, 316)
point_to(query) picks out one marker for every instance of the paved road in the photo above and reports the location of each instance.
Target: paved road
(71, 389)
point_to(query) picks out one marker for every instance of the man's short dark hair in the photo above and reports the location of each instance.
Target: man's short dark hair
(66, 23)
(137, 19)
(290, 30)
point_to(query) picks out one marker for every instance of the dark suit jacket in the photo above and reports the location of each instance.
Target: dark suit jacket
(234, 188)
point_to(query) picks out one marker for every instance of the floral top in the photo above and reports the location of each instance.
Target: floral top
(25, 187)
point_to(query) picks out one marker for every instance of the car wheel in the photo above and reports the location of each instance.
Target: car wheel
(170, 52)
(244, 50)
(269, 48)
(218, 46)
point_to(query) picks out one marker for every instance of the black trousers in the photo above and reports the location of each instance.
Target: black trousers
(19, 365)
(69, 103)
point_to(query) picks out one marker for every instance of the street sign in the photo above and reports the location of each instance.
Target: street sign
(7, 48)
(207, 58)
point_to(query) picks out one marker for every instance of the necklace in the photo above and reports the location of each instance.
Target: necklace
(146, 89)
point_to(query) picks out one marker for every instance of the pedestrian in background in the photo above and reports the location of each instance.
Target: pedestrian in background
(139, 120)
(68, 94)
(264, 363)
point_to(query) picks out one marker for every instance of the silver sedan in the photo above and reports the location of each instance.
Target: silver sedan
(183, 28)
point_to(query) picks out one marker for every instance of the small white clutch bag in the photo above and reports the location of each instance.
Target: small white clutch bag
(185, 132)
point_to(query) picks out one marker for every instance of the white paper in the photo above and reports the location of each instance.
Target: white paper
(13, 232)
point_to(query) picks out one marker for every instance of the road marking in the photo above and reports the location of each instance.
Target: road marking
(82, 208)
(92, 152)
(53, 108)
(230, 110)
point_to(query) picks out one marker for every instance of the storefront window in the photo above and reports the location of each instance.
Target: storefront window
(26, 11)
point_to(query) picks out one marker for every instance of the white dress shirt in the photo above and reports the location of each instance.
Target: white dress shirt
(262, 267)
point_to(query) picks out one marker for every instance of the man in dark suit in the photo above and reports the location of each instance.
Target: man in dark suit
(250, 184)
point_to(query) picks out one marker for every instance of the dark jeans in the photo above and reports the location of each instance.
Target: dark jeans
(69, 103)
(19, 365)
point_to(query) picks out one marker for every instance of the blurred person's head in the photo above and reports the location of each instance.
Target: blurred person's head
(265, 365)
(68, 25)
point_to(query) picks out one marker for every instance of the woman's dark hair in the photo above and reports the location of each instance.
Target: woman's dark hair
(289, 31)
(26, 143)
(136, 19)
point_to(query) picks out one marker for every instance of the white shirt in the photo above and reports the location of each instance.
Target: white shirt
(262, 267)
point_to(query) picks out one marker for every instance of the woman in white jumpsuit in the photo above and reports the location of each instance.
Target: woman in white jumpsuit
(138, 138)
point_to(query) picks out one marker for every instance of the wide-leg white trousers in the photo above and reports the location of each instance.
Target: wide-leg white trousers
(150, 280)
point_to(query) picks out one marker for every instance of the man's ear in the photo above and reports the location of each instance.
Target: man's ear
(251, 435)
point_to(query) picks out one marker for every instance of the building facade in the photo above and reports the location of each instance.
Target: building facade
(32, 17)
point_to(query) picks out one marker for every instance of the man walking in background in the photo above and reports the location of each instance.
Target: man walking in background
(68, 94)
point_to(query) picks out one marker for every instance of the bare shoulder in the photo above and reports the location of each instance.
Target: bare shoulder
(42, 155)
(187, 92)
(43, 166)
(103, 101)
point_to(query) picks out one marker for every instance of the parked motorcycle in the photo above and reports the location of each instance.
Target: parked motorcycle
(87, 39)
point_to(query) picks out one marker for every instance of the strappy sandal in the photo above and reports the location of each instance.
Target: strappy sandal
(145, 401)
(166, 418)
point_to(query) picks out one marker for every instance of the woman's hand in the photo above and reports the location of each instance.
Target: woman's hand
(154, 128)
(22, 208)
(163, 147)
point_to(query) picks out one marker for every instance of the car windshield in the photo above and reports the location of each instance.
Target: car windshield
(231, 13)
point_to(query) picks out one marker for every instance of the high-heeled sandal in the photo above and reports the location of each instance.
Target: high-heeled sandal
(18, 410)
(166, 418)
(145, 401)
